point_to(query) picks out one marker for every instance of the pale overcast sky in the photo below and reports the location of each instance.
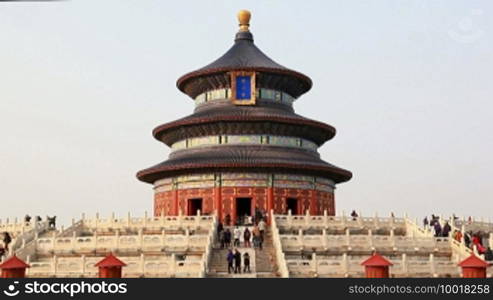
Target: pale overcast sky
(407, 84)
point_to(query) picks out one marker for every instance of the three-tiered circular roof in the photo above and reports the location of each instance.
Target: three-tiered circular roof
(226, 118)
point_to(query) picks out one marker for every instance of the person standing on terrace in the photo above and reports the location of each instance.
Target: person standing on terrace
(237, 236)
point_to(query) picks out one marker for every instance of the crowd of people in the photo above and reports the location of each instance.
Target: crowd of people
(51, 220)
(7, 237)
(229, 239)
(479, 239)
(234, 261)
(234, 237)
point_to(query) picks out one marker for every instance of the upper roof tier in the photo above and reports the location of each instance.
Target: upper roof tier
(244, 56)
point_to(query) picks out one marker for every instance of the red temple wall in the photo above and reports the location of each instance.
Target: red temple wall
(313, 200)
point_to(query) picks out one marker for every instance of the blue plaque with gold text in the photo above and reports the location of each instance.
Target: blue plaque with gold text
(243, 87)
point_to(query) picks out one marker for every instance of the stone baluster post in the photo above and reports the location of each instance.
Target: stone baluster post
(96, 225)
(83, 265)
(314, 263)
(475, 250)
(404, 264)
(432, 265)
(129, 219)
(348, 238)
(53, 242)
(54, 265)
(326, 219)
(73, 241)
(95, 239)
(28, 261)
(370, 238)
(141, 238)
(117, 240)
(301, 239)
(197, 218)
(173, 264)
(345, 264)
(145, 218)
(392, 238)
(359, 219)
(324, 239)
(163, 239)
(142, 264)
(376, 222)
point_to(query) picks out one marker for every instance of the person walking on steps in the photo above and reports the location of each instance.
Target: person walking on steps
(230, 258)
(246, 262)
(227, 238)
(6, 241)
(261, 227)
(237, 258)
(220, 229)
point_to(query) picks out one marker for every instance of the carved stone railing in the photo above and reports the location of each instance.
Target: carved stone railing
(326, 221)
(280, 258)
(22, 243)
(137, 266)
(122, 243)
(211, 239)
(342, 266)
(363, 243)
(16, 227)
(171, 222)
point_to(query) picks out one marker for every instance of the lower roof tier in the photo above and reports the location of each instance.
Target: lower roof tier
(251, 158)
(185, 128)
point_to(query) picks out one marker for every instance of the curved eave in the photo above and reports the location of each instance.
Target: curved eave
(161, 130)
(292, 79)
(152, 174)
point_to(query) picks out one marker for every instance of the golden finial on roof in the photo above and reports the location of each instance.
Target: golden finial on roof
(244, 19)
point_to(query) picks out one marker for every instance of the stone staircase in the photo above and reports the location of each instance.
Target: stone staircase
(265, 260)
(262, 262)
(218, 266)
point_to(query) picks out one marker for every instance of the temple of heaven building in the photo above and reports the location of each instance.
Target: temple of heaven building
(244, 148)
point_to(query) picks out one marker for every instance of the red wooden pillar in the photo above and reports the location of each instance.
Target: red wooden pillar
(14, 268)
(175, 201)
(110, 267)
(376, 266)
(313, 203)
(218, 203)
(473, 267)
